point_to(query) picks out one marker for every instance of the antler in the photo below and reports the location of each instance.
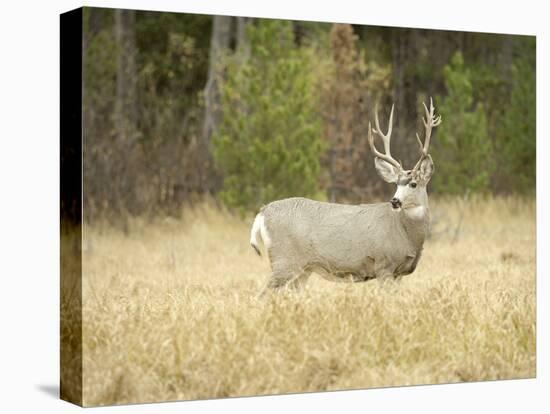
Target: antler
(385, 139)
(430, 122)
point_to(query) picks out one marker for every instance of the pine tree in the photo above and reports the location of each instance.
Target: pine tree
(268, 145)
(343, 117)
(518, 125)
(462, 150)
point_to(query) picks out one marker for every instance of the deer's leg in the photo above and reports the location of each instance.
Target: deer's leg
(281, 277)
(368, 271)
(384, 274)
(385, 278)
(408, 265)
(298, 282)
(387, 282)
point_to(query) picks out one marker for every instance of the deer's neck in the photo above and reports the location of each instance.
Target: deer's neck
(416, 222)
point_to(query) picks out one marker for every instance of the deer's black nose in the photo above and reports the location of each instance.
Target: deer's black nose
(395, 202)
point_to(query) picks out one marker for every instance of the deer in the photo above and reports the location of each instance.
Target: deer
(352, 243)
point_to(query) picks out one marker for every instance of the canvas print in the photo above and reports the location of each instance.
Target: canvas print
(255, 206)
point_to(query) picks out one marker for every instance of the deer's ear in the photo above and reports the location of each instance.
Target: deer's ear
(426, 169)
(388, 172)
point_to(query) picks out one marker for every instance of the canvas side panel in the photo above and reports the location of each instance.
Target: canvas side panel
(71, 206)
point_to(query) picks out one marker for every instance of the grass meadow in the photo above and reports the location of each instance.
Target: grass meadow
(170, 311)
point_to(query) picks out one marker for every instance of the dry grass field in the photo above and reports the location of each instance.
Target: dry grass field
(169, 311)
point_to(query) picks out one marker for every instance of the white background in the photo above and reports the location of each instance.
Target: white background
(29, 191)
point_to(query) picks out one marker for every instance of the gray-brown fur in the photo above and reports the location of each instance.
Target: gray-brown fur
(351, 242)
(338, 241)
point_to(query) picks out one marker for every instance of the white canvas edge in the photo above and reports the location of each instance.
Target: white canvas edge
(29, 224)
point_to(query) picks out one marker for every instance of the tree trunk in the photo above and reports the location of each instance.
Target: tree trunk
(219, 44)
(125, 115)
(126, 81)
(343, 117)
(405, 88)
(242, 45)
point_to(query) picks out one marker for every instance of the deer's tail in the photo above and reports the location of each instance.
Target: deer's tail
(256, 232)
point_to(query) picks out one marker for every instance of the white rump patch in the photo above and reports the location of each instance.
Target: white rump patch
(263, 232)
(259, 227)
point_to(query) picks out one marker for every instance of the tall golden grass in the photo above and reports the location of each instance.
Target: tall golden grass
(169, 311)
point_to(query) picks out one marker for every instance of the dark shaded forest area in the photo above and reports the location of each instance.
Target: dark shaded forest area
(179, 106)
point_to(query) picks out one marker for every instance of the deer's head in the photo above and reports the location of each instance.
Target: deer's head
(411, 184)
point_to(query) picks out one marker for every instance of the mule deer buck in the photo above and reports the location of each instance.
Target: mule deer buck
(352, 242)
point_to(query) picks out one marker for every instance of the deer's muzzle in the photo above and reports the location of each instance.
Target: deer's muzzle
(395, 203)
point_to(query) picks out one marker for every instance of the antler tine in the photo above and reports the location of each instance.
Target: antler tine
(429, 122)
(385, 139)
(420, 142)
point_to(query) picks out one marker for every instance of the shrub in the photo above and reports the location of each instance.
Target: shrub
(462, 150)
(269, 141)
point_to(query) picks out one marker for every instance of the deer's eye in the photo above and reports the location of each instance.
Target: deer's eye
(413, 185)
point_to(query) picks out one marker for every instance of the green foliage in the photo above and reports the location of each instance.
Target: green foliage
(268, 145)
(462, 150)
(276, 89)
(518, 124)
